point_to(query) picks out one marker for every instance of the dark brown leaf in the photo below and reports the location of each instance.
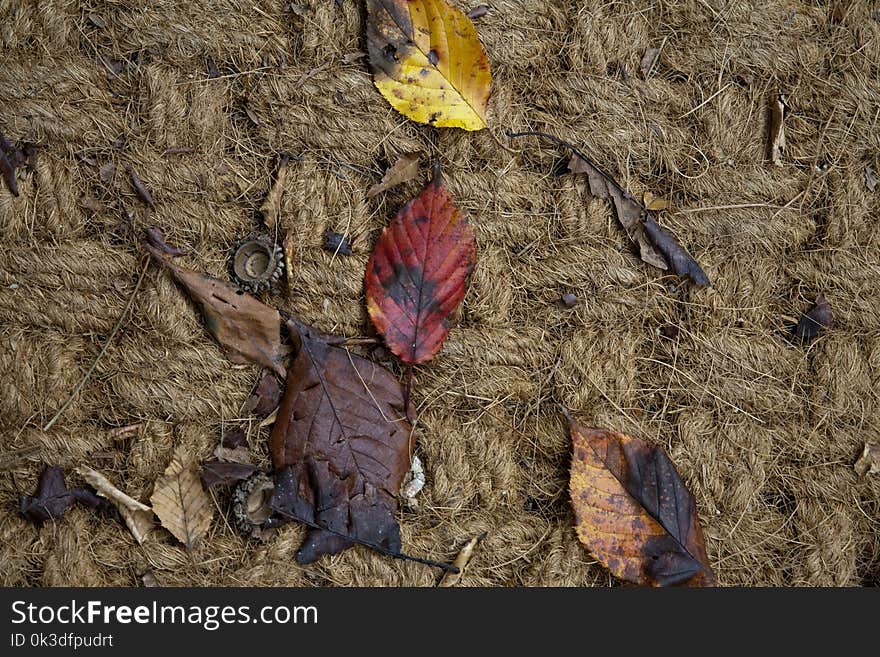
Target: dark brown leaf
(157, 240)
(405, 168)
(682, 262)
(53, 497)
(235, 438)
(213, 71)
(812, 321)
(10, 160)
(340, 448)
(629, 211)
(248, 330)
(215, 473)
(265, 397)
(140, 188)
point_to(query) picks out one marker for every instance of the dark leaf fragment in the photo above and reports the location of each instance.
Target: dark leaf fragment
(340, 448)
(247, 329)
(812, 321)
(478, 12)
(233, 439)
(140, 188)
(265, 397)
(216, 473)
(10, 160)
(53, 497)
(336, 242)
(681, 261)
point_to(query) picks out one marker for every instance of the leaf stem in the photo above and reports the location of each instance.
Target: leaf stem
(564, 144)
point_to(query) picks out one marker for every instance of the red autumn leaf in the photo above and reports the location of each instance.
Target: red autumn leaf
(418, 273)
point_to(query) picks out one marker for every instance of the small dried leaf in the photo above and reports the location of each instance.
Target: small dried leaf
(10, 160)
(140, 188)
(478, 12)
(265, 397)
(404, 169)
(777, 129)
(869, 461)
(812, 321)
(241, 455)
(138, 517)
(53, 497)
(248, 329)
(250, 114)
(89, 203)
(682, 262)
(870, 178)
(181, 503)
(106, 171)
(654, 203)
(629, 211)
(461, 562)
(649, 59)
(97, 21)
(216, 473)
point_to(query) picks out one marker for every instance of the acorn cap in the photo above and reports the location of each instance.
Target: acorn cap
(257, 263)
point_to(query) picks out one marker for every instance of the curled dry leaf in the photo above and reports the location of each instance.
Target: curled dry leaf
(681, 261)
(234, 438)
(339, 447)
(461, 562)
(336, 243)
(53, 497)
(633, 511)
(418, 273)
(869, 461)
(181, 503)
(249, 330)
(265, 397)
(10, 160)
(428, 63)
(629, 211)
(140, 187)
(138, 517)
(404, 169)
(812, 321)
(777, 129)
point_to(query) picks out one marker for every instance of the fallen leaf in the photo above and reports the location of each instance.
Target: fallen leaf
(478, 12)
(211, 65)
(633, 511)
(106, 171)
(812, 321)
(181, 503)
(418, 273)
(265, 397)
(97, 21)
(240, 455)
(89, 203)
(461, 562)
(869, 461)
(653, 203)
(248, 329)
(649, 60)
(271, 207)
(404, 169)
(569, 300)
(336, 242)
(9, 162)
(215, 473)
(250, 114)
(777, 129)
(53, 497)
(870, 178)
(339, 447)
(139, 187)
(681, 261)
(234, 438)
(138, 517)
(177, 150)
(428, 63)
(629, 211)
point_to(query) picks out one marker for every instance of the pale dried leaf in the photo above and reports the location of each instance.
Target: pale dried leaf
(869, 461)
(461, 561)
(649, 60)
(405, 168)
(181, 503)
(777, 129)
(137, 516)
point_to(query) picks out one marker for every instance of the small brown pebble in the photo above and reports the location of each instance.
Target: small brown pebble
(569, 300)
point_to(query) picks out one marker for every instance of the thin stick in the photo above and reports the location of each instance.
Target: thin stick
(79, 386)
(354, 539)
(564, 144)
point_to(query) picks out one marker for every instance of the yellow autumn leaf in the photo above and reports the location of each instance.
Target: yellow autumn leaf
(428, 62)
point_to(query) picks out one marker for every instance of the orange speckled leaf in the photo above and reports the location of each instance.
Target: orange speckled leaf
(633, 511)
(428, 62)
(418, 273)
